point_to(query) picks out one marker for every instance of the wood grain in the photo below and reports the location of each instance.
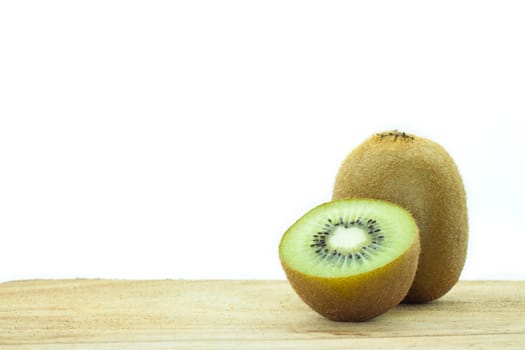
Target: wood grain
(178, 314)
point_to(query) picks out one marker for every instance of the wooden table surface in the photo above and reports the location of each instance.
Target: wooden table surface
(180, 314)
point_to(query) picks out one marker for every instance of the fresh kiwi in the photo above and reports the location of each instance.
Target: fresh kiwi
(419, 175)
(351, 260)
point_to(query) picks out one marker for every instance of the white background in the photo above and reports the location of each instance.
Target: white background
(180, 139)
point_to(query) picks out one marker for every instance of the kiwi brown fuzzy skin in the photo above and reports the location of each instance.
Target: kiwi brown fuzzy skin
(419, 175)
(358, 297)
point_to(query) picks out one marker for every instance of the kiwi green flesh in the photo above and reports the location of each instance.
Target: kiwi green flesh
(348, 237)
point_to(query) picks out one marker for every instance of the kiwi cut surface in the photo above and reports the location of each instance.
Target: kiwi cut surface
(419, 175)
(351, 260)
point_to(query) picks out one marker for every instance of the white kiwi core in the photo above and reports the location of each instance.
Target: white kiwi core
(347, 239)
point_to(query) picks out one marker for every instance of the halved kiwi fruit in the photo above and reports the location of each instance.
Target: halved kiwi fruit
(419, 175)
(351, 260)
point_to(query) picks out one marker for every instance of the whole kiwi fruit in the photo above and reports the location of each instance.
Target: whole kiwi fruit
(419, 175)
(351, 260)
